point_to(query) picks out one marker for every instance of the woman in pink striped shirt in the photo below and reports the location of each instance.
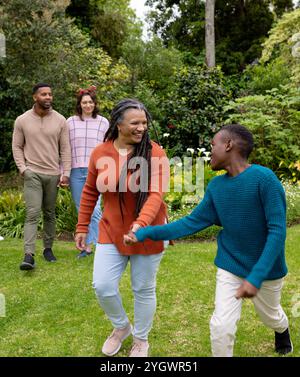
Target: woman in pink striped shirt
(87, 129)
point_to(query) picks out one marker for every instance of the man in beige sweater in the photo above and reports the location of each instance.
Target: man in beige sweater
(40, 146)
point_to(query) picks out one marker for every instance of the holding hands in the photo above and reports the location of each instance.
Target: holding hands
(64, 181)
(130, 238)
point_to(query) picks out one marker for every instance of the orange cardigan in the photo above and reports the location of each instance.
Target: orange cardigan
(103, 174)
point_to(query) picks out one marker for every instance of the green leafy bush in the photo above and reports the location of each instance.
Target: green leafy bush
(193, 109)
(179, 195)
(261, 78)
(279, 64)
(66, 213)
(292, 192)
(274, 120)
(12, 214)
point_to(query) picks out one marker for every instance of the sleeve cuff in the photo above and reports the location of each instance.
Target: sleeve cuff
(254, 281)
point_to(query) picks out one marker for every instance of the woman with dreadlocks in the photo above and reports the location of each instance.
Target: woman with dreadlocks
(131, 172)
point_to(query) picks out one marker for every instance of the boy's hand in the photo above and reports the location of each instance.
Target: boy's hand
(130, 238)
(246, 290)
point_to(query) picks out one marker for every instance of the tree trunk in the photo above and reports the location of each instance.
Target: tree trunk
(2, 46)
(210, 57)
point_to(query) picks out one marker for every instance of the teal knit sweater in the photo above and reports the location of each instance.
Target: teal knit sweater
(251, 208)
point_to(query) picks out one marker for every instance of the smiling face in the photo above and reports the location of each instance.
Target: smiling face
(220, 146)
(132, 127)
(43, 98)
(87, 105)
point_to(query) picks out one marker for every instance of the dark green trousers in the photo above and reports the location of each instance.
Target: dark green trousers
(40, 192)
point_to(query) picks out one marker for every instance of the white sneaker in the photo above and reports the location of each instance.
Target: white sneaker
(113, 343)
(140, 348)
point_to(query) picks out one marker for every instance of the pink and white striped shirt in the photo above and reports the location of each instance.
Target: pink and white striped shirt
(84, 136)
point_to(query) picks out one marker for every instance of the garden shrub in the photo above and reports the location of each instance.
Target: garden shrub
(292, 192)
(193, 109)
(261, 78)
(178, 199)
(274, 120)
(12, 214)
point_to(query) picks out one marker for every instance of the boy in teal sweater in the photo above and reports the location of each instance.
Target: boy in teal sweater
(249, 203)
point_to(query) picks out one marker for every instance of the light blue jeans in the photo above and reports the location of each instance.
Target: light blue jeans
(77, 181)
(109, 266)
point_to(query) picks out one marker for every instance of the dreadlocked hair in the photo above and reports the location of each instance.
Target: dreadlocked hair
(142, 149)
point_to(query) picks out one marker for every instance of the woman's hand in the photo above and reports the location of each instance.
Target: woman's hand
(135, 227)
(80, 239)
(130, 238)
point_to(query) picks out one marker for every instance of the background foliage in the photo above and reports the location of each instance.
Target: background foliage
(194, 108)
(53, 50)
(240, 28)
(72, 44)
(12, 210)
(275, 113)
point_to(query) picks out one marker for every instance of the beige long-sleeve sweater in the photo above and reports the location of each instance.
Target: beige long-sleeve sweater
(41, 144)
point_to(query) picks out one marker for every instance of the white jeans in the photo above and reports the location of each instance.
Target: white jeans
(223, 324)
(109, 266)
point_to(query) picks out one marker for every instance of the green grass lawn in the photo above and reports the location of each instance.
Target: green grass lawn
(53, 311)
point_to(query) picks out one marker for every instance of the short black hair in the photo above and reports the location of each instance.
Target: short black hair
(40, 85)
(243, 137)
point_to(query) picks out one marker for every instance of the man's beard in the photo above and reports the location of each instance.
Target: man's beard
(45, 106)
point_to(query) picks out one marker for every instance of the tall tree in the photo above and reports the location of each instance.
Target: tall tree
(210, 55)
(241, 26)
(179, 23)
(108, 22)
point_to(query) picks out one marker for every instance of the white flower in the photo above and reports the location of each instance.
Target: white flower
(296, 37)
(206, 158)
(206, 153)
(166, 135)
(190, 150)
(296, 50)
(179, 164)
(201, 149)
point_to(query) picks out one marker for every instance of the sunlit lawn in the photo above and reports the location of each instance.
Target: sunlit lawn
(53, 311)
